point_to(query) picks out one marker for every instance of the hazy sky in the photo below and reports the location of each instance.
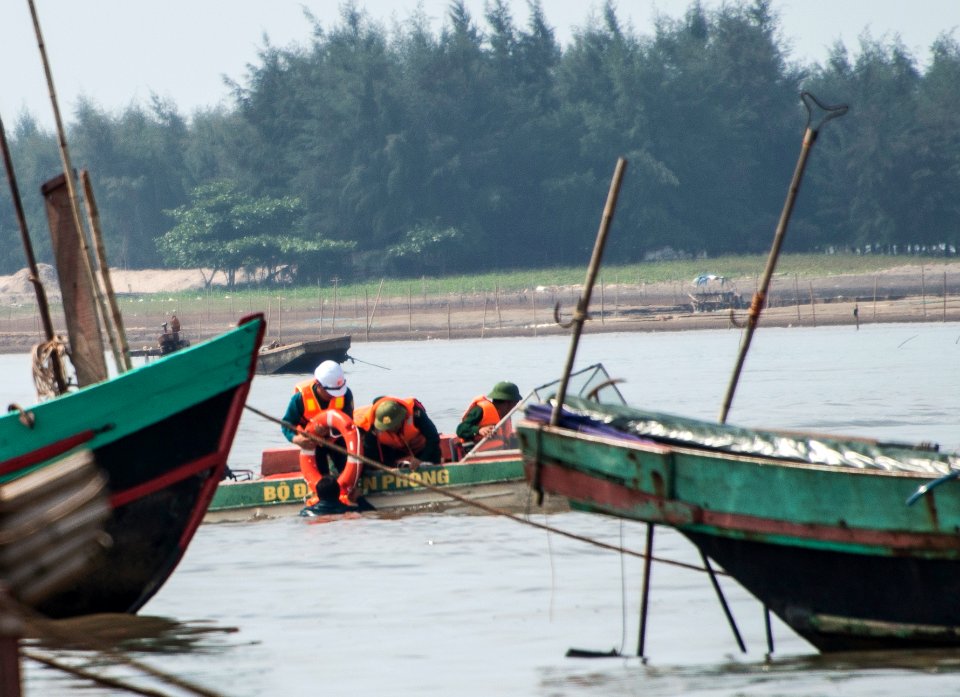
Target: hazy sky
(117, 52)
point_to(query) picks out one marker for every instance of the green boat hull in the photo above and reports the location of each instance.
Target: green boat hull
(161, 434)
(834, 550)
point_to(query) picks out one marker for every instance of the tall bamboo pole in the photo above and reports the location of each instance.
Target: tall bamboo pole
(760, 297)
(580, 314)
(115, 331)
(42, 305)
(68, 169)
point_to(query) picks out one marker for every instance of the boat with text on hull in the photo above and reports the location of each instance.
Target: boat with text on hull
(845, 539)
(492, 471)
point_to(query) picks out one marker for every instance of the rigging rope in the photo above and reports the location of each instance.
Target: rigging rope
(416, 481)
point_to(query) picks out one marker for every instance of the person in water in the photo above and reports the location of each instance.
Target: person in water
(328, 491)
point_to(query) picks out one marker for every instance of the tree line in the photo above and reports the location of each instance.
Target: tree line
(368, 151)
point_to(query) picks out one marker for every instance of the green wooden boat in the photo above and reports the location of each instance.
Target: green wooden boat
(851, 542)
(161, 434)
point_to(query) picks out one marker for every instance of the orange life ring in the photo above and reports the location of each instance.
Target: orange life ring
(335, 420)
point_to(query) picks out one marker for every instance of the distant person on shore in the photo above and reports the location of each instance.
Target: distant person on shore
(398, 432)
(484, 413)
(327, 389)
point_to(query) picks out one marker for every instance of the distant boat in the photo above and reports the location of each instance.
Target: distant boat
(302, 356)
(851, 542)
(161, 434)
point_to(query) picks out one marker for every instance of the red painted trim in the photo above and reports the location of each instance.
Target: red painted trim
(46, 452)
(582, 487)
(579, 486)
(188, 469)
(226, 437)
(753, 525)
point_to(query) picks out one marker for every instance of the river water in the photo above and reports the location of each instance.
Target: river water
(450, 604)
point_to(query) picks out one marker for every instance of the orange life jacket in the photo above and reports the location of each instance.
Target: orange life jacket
(311, 406)
(490, 418)
(350, 476)
(407, 439)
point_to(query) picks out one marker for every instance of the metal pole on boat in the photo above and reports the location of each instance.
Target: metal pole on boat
(44, 308)
(580, 314)
(759, 298)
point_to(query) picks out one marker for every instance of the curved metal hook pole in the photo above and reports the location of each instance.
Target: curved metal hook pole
(759, 298)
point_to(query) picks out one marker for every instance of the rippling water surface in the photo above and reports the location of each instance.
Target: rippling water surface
(452, 604)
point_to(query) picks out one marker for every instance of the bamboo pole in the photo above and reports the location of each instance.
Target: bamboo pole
(813, 305)
(115, 330)
(601, 302)
(533, 303)
(333, 326)
(759, 298)
(43, 307)
(483, 321)
(923, 292)
(376, 304)
(580, 313)
(796, 295)
(68, 173)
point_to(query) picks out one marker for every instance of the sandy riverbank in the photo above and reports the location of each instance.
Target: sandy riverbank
(903, 294)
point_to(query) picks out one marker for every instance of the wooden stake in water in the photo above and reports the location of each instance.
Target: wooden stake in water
(580, 313)
(759, 298)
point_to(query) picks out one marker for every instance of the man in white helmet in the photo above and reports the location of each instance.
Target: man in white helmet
(327, 389)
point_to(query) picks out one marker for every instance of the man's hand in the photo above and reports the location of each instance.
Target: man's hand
(485, 431)
(412, 462)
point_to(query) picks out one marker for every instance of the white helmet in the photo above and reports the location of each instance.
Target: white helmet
(330, 376)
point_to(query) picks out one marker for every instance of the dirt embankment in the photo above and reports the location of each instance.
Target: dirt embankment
(904, 294)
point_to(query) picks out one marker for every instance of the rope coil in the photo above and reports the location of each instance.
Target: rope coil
(47, 356)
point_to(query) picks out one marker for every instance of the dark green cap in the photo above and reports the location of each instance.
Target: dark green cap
(504, 391)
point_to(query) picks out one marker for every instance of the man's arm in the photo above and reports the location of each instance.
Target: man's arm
(469, 428)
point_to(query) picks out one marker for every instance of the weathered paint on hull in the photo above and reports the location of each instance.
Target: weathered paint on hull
(162, 434)
(834, 552)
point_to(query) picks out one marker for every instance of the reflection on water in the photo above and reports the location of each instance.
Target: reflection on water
(119, 632)
(439, 604)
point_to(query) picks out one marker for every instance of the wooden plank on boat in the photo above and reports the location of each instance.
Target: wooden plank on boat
(79, 304)
(302, 356)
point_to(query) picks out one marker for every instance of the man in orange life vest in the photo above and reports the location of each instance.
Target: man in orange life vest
(398, 431)
(327, 389)
(485, 412)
